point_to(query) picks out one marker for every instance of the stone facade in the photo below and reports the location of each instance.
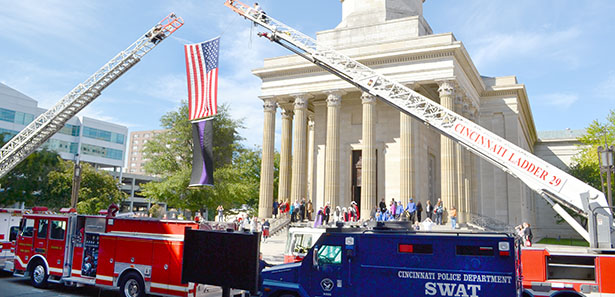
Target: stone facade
(365, 150)
(557, 148)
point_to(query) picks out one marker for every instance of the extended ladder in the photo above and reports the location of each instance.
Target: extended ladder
(51, 121)
(547, 180)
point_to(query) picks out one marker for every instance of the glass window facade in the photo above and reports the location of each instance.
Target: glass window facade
(16, 117)
(103, 135)
(105, 152)
(7, 134)
(71, 130)
(61, 146)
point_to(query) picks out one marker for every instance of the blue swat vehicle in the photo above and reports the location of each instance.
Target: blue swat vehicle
(353, 262)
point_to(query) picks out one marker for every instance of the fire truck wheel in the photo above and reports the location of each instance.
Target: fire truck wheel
(566, 294)
(132, 285)
(38, 275)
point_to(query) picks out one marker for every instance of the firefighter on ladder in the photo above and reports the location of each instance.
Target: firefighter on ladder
(156, 35)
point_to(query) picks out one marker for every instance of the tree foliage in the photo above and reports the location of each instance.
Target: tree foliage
(237, 169)
(98, 188)
(44, 179)
(28, 181)
(585, 164)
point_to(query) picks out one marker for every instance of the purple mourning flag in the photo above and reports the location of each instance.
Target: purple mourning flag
(202, 148)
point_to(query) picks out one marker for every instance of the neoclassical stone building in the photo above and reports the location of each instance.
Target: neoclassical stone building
(339, 145)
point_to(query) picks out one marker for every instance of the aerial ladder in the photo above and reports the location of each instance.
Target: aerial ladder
(51, 121)
(554, 185)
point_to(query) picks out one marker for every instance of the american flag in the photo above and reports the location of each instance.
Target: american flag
(202, 71)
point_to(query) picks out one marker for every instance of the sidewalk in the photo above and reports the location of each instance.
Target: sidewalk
(273, 247)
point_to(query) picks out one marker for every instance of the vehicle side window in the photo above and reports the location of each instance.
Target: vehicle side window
(330, 254)
(28, 228)
(471, 250)
(58, 229)
(13, 233)
(42, 228)
(302, 243)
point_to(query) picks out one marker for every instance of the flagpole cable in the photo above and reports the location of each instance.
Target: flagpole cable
(228, 26)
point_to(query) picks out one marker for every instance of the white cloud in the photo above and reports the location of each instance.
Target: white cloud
(244, 104)
(168, 87)
(43, 84)
(95, 112)
(26, 22)
(606, 89)
(512, 46)
(558, 100)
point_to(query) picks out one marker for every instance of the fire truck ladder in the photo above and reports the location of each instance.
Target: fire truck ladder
(51, 121)
(554, 185)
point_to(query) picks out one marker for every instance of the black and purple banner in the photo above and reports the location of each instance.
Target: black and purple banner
(202, 148)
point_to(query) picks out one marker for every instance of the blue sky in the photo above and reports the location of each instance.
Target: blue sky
(560, 49)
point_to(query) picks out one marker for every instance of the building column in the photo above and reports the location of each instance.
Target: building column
(467, 163)
(332, 147)
(265, 201)
(406, 159)
(448, 181)
(474, 171)
(368, 156)
(285, 155)
(299, 169)
(460, 157)
(310, 159)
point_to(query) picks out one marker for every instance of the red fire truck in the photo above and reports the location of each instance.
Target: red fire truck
(138, 255)
(9, 226)
(567, 271)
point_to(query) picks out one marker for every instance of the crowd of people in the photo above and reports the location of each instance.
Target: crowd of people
(302, 211)
(412, 212)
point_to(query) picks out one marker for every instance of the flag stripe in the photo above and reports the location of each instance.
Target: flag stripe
(201, 79)
(215, 111)
(188, 78)
(193, 78)
(202, 73)
(209, 91)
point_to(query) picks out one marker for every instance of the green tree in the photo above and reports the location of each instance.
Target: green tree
(98, 188)
(236, 173)
(585, 164)
(28, 181)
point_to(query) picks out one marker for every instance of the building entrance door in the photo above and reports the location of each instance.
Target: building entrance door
(356, 177)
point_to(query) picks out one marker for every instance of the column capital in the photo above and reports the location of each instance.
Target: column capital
(465, 109)
(334, 97)
(367, 98)
(446, 87)
(286, 113)
(301, 100)
(269, 104)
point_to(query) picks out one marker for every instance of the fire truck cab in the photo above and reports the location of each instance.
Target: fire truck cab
(9, 227)
(299, 241)
(140, 256)
(357, 262)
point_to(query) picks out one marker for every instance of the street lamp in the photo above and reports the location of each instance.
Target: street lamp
(605, 159)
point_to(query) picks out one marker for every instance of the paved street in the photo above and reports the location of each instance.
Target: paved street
(19, 287)
(11, 286)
